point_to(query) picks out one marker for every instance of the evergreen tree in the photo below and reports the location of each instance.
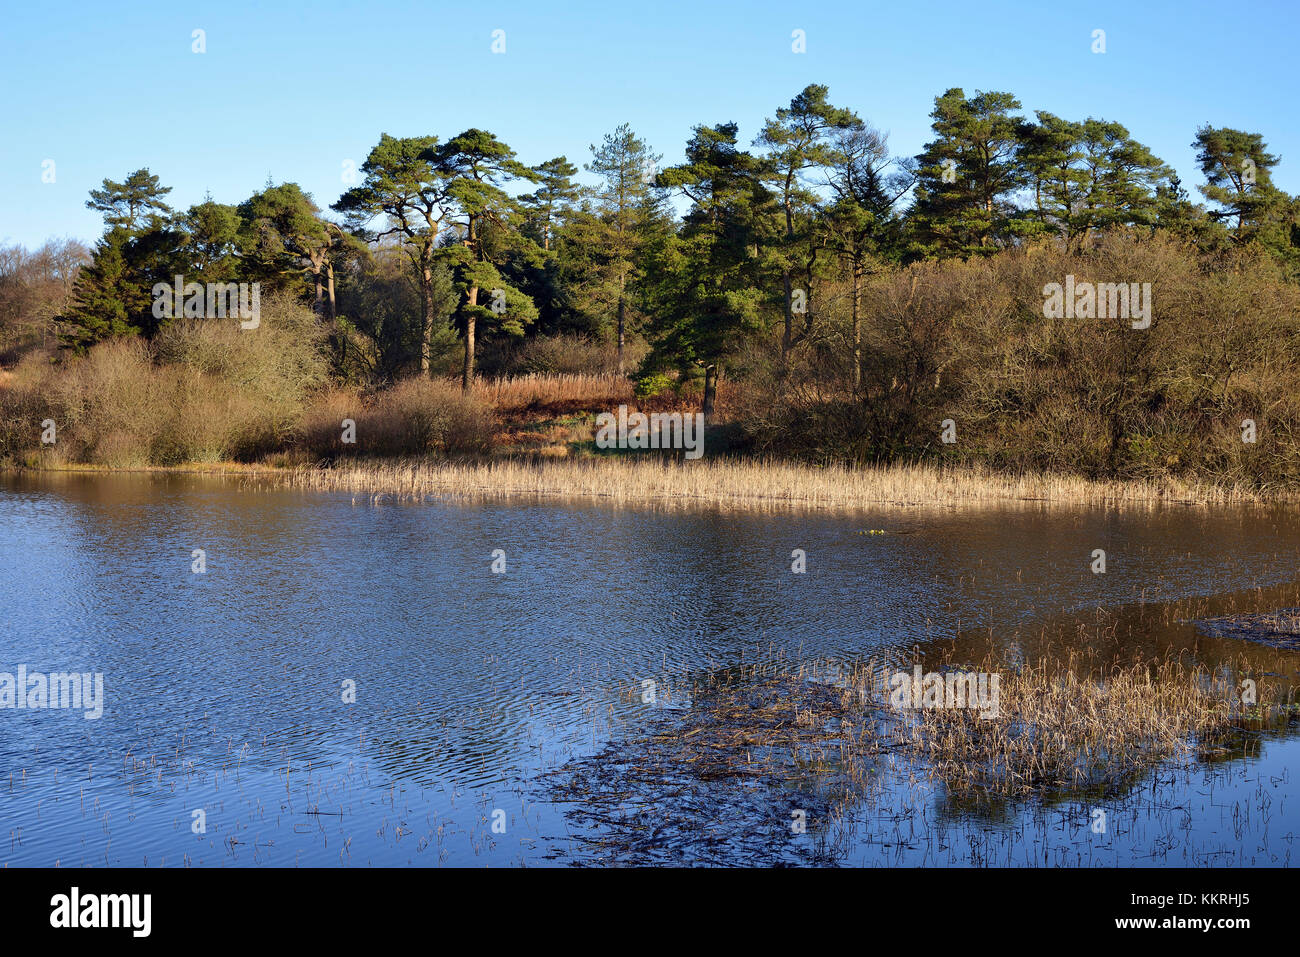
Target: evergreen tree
(403, 186)
(628, 211)
(1238, 171)
(287, 235)
(968, 175)
(800, 140)
(556, 191)
(140, 248)
(1088, 176)
(862, 223)
(474, 166)
(135, 204)
(712, 272)
(211, 233)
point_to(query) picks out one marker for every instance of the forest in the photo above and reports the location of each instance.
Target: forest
(816, 296)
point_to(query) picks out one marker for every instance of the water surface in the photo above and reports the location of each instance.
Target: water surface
(225, 690)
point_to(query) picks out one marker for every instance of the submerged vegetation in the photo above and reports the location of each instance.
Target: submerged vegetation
(794, 756)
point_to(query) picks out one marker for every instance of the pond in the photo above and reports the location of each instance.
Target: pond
(307, 678)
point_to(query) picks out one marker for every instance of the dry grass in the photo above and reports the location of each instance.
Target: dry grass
(772, 734)
(523, 392)
(755, 483)
(1058, 728)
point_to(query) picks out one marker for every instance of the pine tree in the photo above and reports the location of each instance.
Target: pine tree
(211, 233)
(104, 296)
(135, 204)
(140, 248)
(474, 166)
(1088, 176)
(712, 273)
(628, 210)
(545, 208)
(799, 141)
(862, 223)
(404, 187)
(968, 175)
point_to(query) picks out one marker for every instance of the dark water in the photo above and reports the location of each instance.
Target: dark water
(224, 691)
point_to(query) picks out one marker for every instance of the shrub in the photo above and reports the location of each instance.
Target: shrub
(202, 391)
(649, 386)
(269, 371)
(416, 416)
(968, 341)
(559, 355)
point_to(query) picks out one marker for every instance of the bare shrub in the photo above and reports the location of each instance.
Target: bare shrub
(563, 355)
(415, 417)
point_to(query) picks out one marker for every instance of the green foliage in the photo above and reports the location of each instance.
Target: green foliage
(800, 141)
(1088, 176)
(406, 191)
(113, 296)
(545, 209)
(474, 167)
(967, 176)
(783, 273)
(652, 384)
(1238, 171)
(600, 252)
(711, 274)
(212, 242)
(136, 204)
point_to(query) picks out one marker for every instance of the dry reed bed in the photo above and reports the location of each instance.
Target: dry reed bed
(749, 482)
(762, 738)
(1061, 730)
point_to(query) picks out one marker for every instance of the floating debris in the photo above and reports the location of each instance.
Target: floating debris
(1279, 629)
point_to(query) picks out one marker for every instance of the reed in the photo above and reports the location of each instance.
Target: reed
(749, 743)
(1060, 727)
(757, 483)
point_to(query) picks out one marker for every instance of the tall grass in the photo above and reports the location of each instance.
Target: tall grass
(518, 393)
(1061, 728)
(754, 483)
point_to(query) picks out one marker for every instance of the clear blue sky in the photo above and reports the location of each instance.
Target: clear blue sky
(293, 90)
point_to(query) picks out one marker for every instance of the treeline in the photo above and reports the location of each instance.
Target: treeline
(844, 290)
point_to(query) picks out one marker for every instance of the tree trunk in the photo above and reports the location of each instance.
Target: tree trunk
(426, 319)
(857, 327)
(789, 319)
(622, 318)
(470, 320)
(710, 392)
(315, 275)
(329, 285)
(787, 343)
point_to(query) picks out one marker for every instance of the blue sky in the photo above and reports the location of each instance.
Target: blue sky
(294, 90)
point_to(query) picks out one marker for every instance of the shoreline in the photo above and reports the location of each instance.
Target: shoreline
(745, 482)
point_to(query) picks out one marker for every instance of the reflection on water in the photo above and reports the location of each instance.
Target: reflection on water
(225, 690)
